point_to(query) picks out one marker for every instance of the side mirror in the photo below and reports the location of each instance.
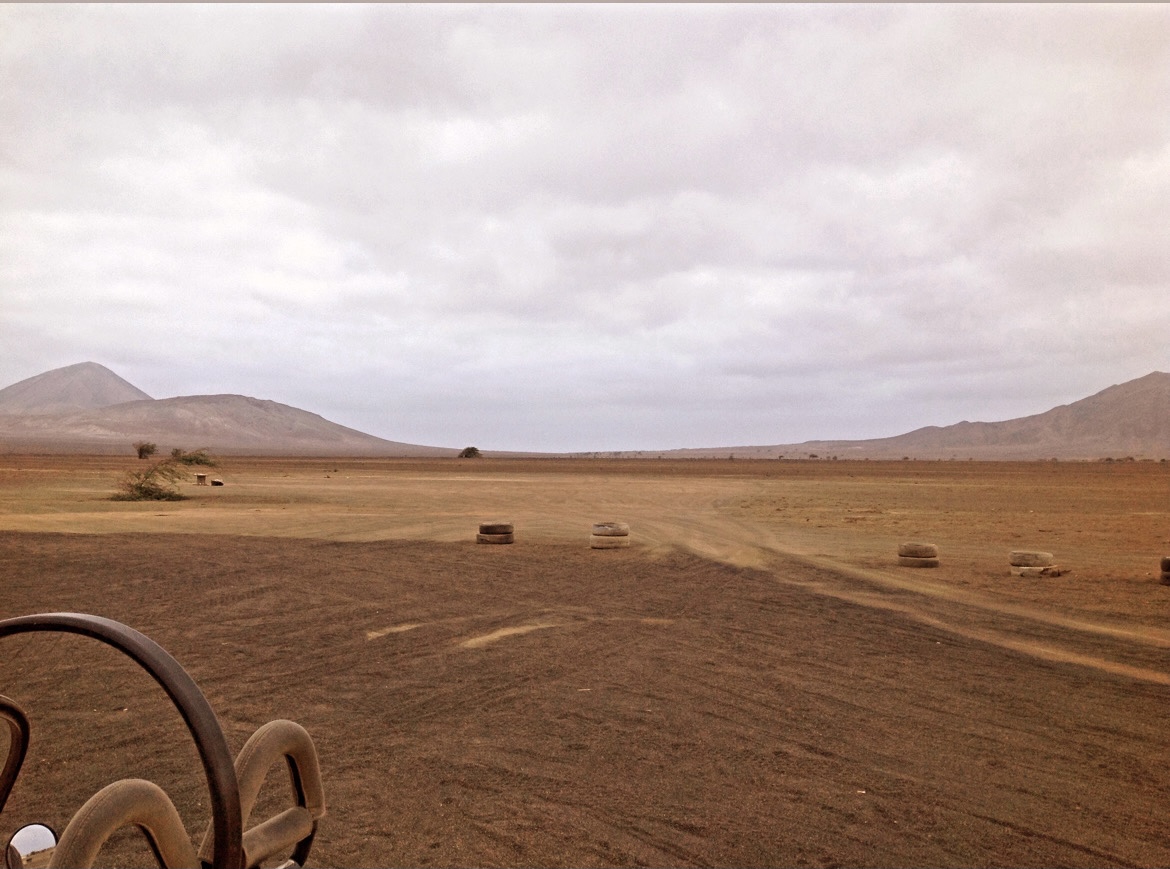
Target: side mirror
(30, 847)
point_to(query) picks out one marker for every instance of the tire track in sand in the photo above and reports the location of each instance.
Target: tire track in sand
(1021, 629)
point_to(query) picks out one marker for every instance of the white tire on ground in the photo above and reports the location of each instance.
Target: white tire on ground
(495, 538)
(1047, 570)
(918, 550)
(1022, 558)
(611, 529)
(911, 561)
(602, 541)
(496, 528)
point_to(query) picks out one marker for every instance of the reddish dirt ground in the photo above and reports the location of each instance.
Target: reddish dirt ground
(547, 704)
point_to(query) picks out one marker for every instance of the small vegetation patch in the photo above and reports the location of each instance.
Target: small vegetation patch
(195, 457)
(156, 483)
(470, 453)
(145, 449)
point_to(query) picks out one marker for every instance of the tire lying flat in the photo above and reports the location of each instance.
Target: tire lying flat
(1047, 570)
(495, 538)
(1025, 558)
(918, 550)
(911, 561)
(611, 529)
(496, 528)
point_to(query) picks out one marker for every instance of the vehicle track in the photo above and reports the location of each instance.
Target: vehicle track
(1136, 652)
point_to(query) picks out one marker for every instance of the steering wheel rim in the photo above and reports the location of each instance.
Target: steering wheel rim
(227, 822)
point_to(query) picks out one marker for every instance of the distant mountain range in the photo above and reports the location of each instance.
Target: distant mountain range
(88, 408)
(1130, 420)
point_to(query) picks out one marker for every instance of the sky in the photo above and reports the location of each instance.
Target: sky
(591, 227)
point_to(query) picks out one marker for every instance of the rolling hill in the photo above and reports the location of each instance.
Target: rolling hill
(88, 408)
(1130, 420)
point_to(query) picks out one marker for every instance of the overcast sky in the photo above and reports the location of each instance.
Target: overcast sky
(578, 227)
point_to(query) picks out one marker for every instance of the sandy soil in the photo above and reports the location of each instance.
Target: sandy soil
(754, 682)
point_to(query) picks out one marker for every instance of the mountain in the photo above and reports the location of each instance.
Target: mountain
(1130, 419)
(1127, 420)
(84, 386)
(88, 408)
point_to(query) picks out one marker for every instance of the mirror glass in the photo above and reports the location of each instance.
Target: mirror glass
(30, 846)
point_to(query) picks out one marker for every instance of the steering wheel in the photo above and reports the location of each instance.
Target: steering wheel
(233, 787)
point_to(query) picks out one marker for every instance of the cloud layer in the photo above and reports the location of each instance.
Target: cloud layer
(591, 227)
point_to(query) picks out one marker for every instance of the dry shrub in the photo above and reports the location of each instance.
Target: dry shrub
(195, 457)
(156, 483)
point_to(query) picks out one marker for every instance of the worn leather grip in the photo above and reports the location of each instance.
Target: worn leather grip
(129, 801)
(276, 740)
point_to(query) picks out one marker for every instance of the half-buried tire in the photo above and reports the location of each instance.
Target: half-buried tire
(911, 561)
(495, 538)
(1049, 570)
(496, 528)
(611, 529)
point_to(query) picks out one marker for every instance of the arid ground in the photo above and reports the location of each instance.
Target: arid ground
(754, 682)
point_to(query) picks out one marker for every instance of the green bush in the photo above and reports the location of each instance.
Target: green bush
(156, 483)
(470, 453)
(145, 449)
(195, 457)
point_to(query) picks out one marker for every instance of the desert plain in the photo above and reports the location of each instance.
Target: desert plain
(755, 681)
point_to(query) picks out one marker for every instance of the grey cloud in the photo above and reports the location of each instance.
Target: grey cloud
(725, 214)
